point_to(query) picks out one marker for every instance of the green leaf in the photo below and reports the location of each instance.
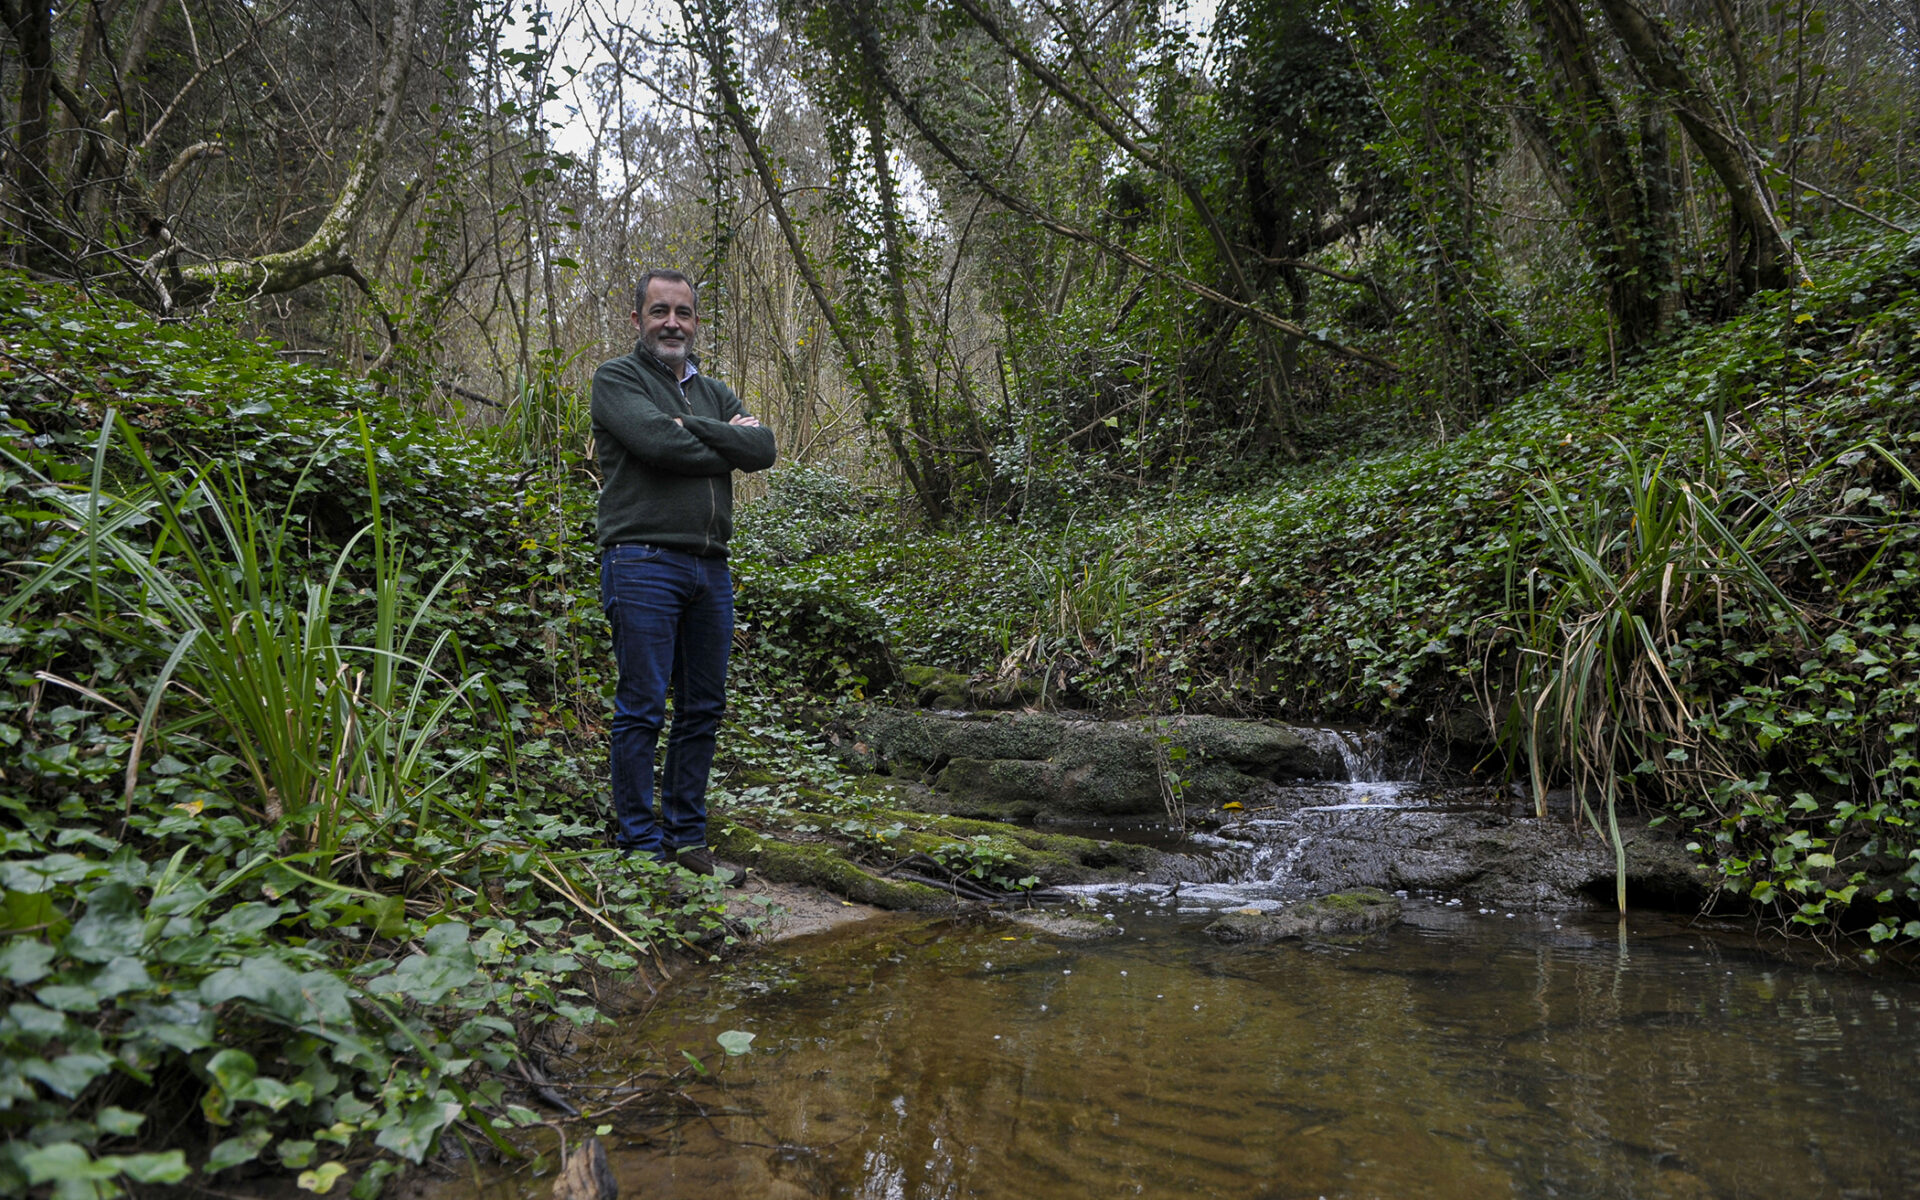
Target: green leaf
(328, 1000)
(295, 1154)
(322, 1178)
(389, 915)
(427, 978)
(70, 1073)
(263, 980)
(120, 976)
(169, 1166)
(112, 927)
(118, 1121)
(245, 920)
(69, 997)
(37, 1022)
(25, 961)
(62, 1162)
(736, 1041)
(31, 910)
(233, 1069)
(240, 1149)
(413, 1135)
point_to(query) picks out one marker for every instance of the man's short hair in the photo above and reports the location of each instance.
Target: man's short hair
(668, 274)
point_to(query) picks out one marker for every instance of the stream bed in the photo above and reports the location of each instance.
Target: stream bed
(1463, 1053)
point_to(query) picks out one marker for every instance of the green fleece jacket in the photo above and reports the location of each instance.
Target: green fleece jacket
(669, 484)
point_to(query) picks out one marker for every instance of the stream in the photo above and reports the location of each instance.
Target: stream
(1467, 1052)
(1461, 1054)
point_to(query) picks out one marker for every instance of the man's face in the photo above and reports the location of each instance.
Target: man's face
(668, 322)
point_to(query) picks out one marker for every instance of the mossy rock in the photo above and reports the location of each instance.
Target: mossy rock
(824, 867)
(938, 689)
(1340, 916)
(1055, 857)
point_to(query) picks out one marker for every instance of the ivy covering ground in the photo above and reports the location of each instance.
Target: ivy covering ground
(208, 968)
(330, 957)
(1403, 587)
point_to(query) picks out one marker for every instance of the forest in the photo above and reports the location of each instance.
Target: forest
(1534, 381)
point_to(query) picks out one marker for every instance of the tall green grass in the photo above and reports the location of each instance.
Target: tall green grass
(1624, 565)
(334, 735)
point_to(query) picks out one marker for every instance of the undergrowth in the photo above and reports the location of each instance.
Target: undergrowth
(302, 764)
(300, 850)
(1687, 588)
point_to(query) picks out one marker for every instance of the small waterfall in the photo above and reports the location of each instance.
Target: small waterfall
(1364, 753)
(1379, 783)
(1363, 812)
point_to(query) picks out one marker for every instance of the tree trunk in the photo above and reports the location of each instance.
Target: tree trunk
(1762, 255)
(1613, 201)
(328, 251)
(711, 46)
(32, 25)
(906, 358)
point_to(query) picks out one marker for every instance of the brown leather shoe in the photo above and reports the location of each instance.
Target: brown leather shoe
(699, 860)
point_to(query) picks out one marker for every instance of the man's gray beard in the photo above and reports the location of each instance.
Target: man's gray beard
(677, 359)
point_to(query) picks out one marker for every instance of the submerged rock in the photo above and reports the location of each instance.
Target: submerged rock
(1067, 923)
(1340, 915)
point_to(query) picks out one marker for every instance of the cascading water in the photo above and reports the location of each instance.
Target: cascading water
(1304, 837)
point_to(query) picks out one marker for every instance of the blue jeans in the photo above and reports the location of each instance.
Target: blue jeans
(672, 618)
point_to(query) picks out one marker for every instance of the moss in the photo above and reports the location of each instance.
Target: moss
(822, 866)
(1358, 900)
(1055, 857)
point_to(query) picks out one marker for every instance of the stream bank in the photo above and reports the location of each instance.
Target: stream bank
(1245, 812)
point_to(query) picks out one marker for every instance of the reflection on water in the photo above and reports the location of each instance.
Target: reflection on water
(1461, 1055)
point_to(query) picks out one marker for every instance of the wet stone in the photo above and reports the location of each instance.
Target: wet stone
(1339, 915)
(1067, 923)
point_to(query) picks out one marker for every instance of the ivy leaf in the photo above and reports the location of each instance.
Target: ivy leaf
(295, 1154)
(37, 1022)
(413, 1135)
(427, 978)
(111, 928)
(118, 1121)
(120, 976)
(236, 1150)
(232, 1070)
(166, 1167)
(24, 961)
(245, 920)
(179, 1022)
(322, 1178)
(64, 1162)
(263, 980)
(70, 1073)
(31, 910)
(389, 915)
(69, 997)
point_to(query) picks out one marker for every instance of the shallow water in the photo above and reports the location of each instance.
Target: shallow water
(1462, 1054)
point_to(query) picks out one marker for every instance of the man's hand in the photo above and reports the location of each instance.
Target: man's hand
(744, 419)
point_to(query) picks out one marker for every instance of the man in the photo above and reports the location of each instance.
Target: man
(669, 440)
